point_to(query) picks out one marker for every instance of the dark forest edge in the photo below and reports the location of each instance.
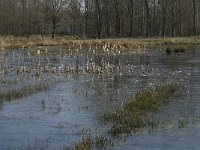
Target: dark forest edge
(100, 18)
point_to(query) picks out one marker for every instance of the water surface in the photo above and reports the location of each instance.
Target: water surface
(71, 106)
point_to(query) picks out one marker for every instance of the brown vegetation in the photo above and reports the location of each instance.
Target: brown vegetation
(12, 42)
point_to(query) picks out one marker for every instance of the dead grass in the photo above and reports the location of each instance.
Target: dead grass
(7, 42)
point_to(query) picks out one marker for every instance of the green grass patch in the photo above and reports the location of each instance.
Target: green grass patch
(137, 115)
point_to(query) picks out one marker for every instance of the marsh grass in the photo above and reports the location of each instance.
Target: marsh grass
(176, 49)
(88, 143)
(137, 115)
(7, 81)
(85, 144)
(13, 42)
(9, 95)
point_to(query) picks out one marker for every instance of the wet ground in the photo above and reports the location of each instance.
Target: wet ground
(82, 86)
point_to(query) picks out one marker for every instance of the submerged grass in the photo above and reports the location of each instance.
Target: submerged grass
(137, 115)
(9, 95)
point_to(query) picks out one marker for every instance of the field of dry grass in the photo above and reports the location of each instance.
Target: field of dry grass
(24, 42)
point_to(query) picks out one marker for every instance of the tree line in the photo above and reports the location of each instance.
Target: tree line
(100, 18)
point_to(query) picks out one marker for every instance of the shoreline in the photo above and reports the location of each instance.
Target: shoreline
(13, 42)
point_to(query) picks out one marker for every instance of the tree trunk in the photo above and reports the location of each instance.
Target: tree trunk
(98, 13)
(131, 20)
(154, 18)
(147, 18)
(172, 19)
(107, 22)
(86, 17)
(180, 18)
(54, 28)
(194, 17)
(164, 19)
(117, 19)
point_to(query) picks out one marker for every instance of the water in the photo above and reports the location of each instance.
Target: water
(71, 107)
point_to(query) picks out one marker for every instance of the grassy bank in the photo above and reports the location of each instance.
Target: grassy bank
(138, 115)
(24, 42)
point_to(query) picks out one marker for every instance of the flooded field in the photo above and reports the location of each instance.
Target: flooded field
(53, 97)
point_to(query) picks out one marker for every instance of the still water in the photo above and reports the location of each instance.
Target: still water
(73, 103)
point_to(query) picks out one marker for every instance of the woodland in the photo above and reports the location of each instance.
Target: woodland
(100, 18)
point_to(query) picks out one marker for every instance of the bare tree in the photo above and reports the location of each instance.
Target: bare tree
(54, 11)
(194, 17)
(134, 18)
(147, 18)
(117, 18)
(98, 16)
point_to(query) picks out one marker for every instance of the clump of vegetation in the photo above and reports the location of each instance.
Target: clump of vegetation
(175, 49)
(182, 123)
(137, 115)
(169, 50)
(86, 143)
(7, 81)
(24, 91)
(179, 49)
(102, 141)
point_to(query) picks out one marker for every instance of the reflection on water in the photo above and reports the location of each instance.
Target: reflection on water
(70, 109)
